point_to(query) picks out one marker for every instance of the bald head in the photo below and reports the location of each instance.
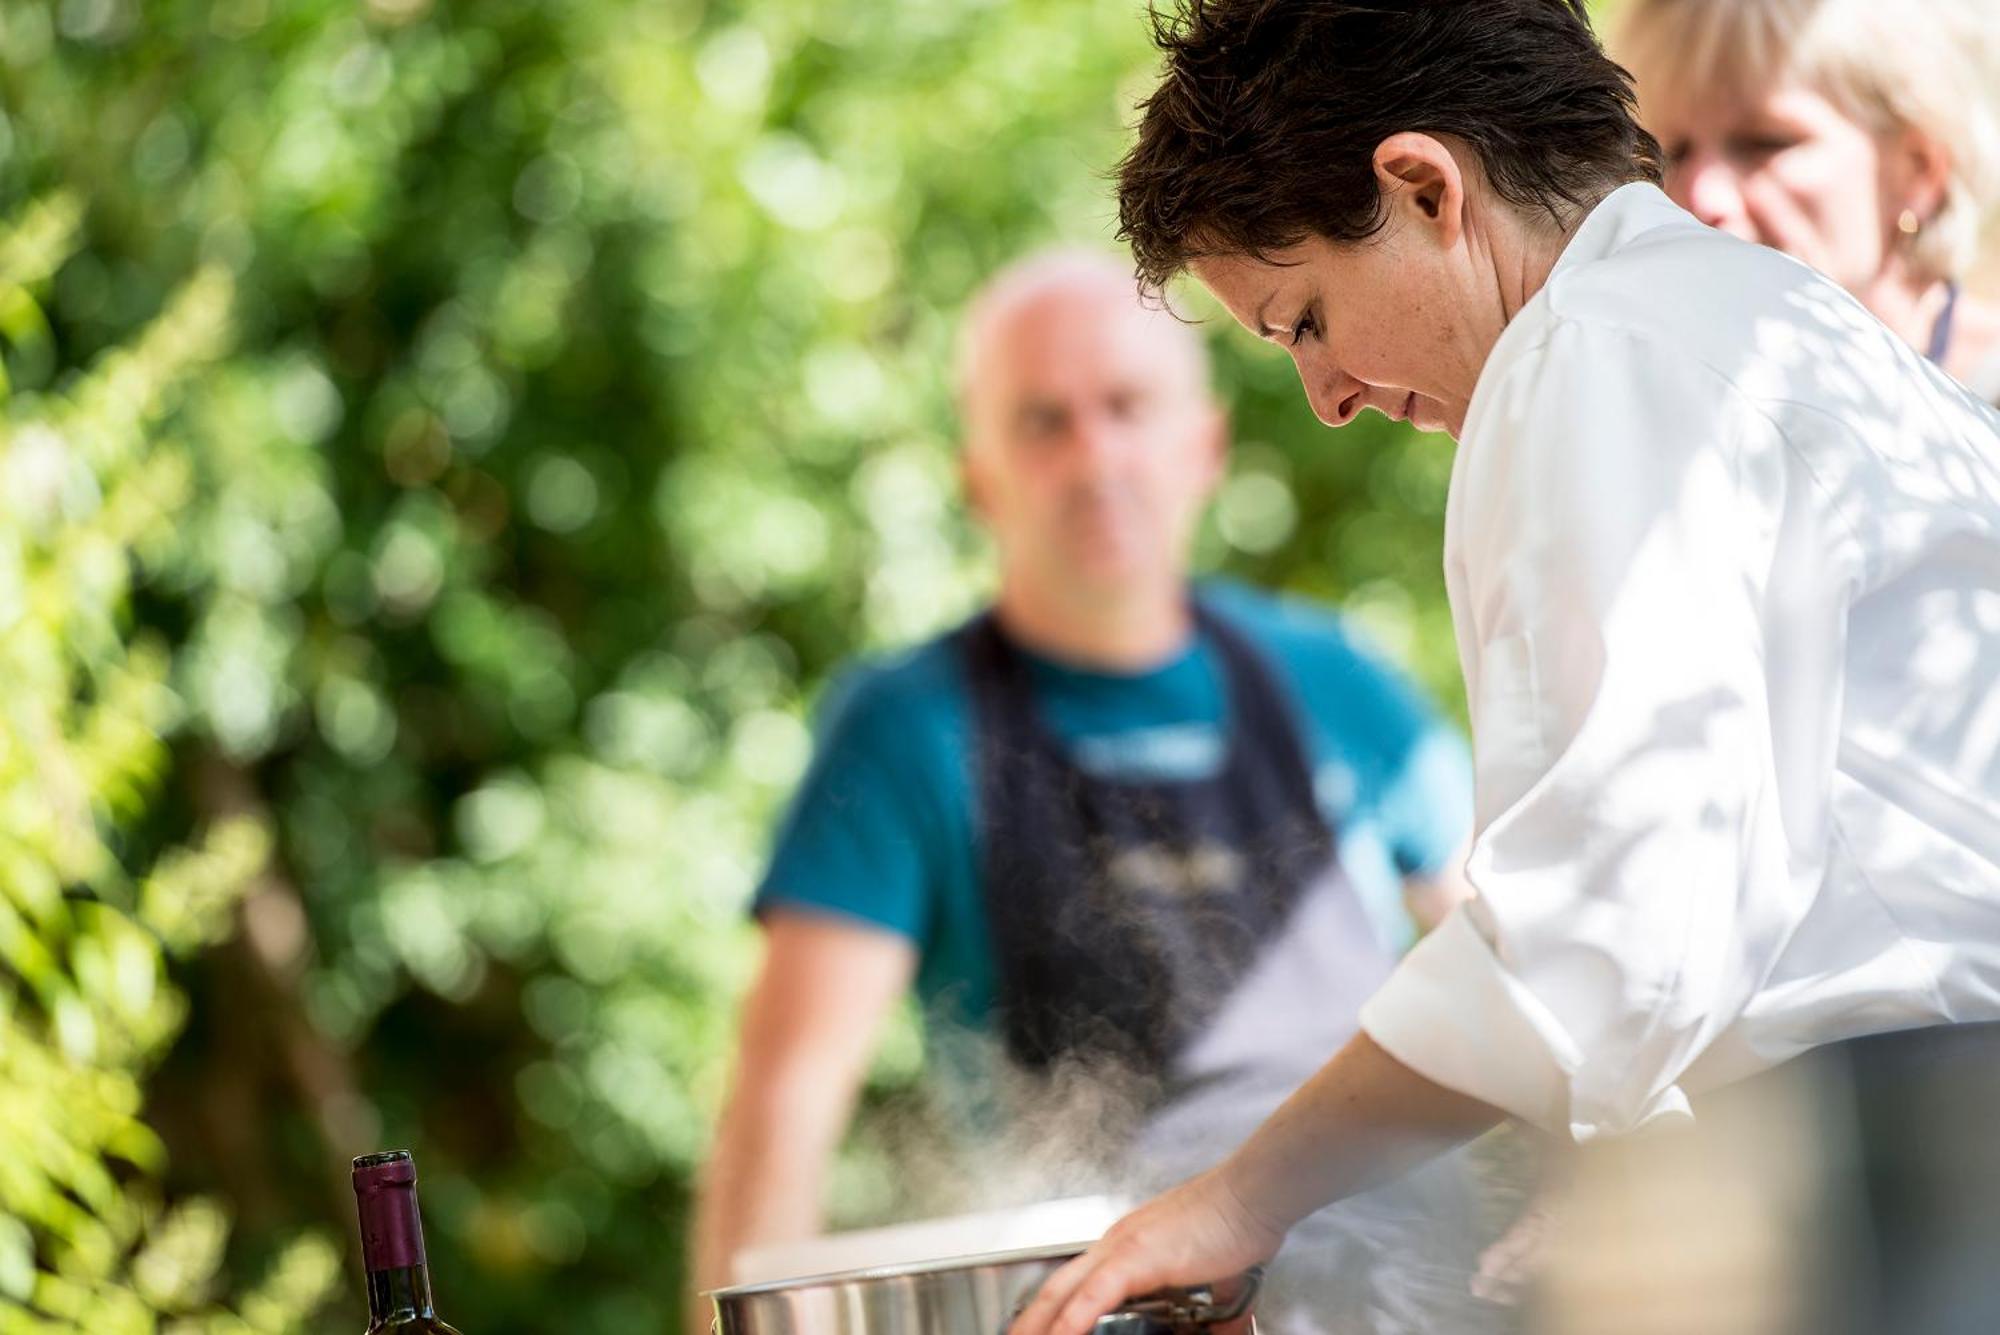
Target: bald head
(1078, 295)
(1092, 440)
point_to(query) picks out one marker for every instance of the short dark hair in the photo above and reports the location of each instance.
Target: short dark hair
(1263, 130)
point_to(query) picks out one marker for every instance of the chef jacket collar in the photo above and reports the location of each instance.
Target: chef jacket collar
(1620, 217)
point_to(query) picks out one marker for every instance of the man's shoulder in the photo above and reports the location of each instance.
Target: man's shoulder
(896, 697)
(877, 829)
(1363, 702)
(1302, 633)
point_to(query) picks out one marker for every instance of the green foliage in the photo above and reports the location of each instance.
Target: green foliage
(586, 402)
(89, 477)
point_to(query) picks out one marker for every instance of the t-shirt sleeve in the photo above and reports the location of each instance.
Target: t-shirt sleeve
(1415, 768)
(1409, 766)
(1426, 805)
(1385, 752)
(853, 841)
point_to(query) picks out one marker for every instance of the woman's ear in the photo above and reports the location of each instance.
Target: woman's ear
(1417, 173)
(1926, 166)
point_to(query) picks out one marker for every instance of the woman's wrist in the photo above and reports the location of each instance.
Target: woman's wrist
(1283, 1172)
(1240, 1180)
(1363, 1118)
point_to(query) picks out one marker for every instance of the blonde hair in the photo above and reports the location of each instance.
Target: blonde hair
(1930, 65)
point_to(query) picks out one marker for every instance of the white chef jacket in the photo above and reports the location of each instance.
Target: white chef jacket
(1724, 563)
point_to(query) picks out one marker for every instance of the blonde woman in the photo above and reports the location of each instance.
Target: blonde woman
(1858, 136)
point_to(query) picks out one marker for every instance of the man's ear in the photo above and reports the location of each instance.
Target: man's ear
(1418, 175)
(1217, 445)
(972, 477)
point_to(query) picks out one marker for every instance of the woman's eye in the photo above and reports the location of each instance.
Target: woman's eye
(1763, 145)
(1303, 327)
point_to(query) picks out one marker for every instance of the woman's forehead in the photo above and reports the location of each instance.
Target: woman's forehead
(1244, 284)
(1711, 60)
(1690, 57)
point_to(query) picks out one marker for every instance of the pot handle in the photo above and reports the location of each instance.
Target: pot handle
(1196, 1308)
(1190, 1309)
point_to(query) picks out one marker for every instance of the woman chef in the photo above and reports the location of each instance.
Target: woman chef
(1723, 555)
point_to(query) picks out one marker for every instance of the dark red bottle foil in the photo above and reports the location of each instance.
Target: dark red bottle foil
(385, 1190)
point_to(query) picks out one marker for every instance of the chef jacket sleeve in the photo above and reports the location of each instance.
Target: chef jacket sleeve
(1613, 535)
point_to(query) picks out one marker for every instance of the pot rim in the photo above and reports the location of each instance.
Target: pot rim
(1050, 1251)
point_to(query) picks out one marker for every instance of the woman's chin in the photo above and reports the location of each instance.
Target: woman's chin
(1429, 415)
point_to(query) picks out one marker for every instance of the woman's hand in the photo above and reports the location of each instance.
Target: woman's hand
(1361, 1120)
(1199, 1232)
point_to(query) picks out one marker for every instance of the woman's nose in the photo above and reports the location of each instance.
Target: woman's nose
(1335, 396)
(1711, 189)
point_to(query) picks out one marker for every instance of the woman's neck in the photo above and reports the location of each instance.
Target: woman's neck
(1975, 339)
(1915, 309)
(1513, 256)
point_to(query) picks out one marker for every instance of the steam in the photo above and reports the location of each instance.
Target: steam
(1271, 1008)
(1400, 1260)
(1007, 1136)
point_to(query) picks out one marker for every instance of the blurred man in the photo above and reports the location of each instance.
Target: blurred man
(1145, 835)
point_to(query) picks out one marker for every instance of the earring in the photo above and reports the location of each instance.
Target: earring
(1908, 223)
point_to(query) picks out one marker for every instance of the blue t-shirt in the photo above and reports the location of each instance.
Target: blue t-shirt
(883, 829)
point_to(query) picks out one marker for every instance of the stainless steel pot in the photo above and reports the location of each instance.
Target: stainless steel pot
(969, 1295)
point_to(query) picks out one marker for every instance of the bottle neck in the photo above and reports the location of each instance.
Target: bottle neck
(399, 1293)
(392, 1249)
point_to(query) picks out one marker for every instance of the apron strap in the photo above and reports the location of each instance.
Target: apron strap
(1262, 714)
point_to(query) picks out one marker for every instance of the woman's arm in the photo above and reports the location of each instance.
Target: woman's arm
(1363, 1119)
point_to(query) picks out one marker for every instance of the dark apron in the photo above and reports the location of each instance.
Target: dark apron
(1124, 915)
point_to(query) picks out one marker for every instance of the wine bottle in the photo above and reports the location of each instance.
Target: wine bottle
(392, 1246)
